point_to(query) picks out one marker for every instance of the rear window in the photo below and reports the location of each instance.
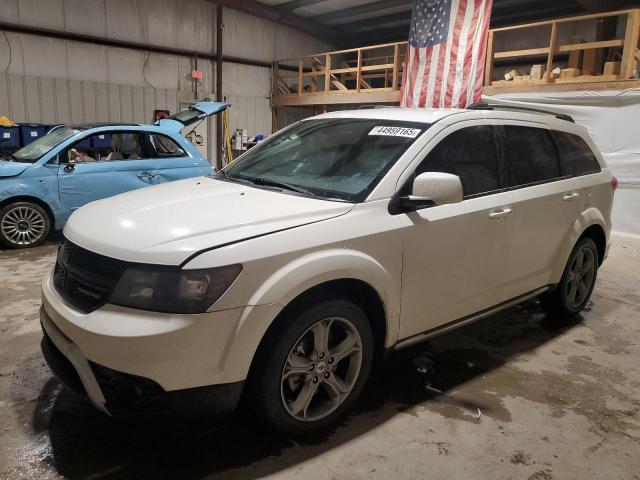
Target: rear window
(576, 157)
(530, 154)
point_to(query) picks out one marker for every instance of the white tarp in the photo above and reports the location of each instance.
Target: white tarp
(613, 121)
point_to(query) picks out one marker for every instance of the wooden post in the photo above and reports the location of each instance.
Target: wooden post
(396, 60)
(553, 42)
(488, 66)
(300, 68)
(359, 73)
(630, 44)
(327, 73)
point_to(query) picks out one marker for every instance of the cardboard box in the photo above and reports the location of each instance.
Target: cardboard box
(512, 74)
(612, 68)
(536, 72)
(570, 73)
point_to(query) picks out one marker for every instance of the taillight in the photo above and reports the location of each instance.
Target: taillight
(614, 183)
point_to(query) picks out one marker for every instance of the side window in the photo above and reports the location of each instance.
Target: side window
(576, 157)
(165, 147)
(469, 153)
(530, 155)
(104, 147)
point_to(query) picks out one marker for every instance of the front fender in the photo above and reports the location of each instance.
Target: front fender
(300, 275)
(589, 217)
(43, 189)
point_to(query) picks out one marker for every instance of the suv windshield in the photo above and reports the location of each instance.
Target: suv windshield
(43, 145)
(337, 159)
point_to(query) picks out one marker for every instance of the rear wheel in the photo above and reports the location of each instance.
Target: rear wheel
(313, 366)
(574, 290)
(23, 225)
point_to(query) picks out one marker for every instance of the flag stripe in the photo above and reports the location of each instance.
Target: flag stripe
(444, 64)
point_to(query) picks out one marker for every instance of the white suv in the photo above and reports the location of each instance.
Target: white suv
(342, 237)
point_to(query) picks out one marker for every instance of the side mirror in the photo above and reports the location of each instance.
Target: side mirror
(434, 188)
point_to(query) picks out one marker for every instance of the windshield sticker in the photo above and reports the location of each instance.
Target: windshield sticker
(395, 131)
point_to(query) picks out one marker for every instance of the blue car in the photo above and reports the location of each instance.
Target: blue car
(44, 182)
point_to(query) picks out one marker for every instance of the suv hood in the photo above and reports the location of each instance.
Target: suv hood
(167, 224)
(11, 169)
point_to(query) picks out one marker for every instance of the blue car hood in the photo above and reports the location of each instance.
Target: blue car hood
(11, 169)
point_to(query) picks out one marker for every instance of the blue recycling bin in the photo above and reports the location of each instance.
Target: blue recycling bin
(86, 143)
(30, 132)
(9, 137)
(102, 140)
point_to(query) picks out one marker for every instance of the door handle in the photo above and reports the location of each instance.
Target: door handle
(497, 214)
(568, 197)
(146, 175)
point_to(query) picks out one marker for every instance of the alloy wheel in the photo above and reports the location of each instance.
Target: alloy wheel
(321, 369)
(581, 276)
(23, 225)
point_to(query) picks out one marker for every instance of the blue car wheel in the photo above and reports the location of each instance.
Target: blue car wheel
(23, 225)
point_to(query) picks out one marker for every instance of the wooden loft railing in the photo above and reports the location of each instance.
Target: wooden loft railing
(624, 52)
(373, 74)
(359, 75)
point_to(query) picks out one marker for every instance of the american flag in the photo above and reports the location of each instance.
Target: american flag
(444, 65)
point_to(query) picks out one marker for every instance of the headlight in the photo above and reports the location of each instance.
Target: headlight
(180, 291)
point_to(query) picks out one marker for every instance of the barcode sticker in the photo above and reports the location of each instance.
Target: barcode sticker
(34, 134)
(6, 135)
(395, 131)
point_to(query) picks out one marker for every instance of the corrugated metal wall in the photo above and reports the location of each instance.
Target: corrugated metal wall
(51, 80)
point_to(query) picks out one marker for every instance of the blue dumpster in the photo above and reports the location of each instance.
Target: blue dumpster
(102, 140)
(9, 138)
(30, 132)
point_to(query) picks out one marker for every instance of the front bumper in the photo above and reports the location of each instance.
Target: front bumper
(114, 392)
(122, 350)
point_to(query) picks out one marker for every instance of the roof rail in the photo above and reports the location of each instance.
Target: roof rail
(494, 106)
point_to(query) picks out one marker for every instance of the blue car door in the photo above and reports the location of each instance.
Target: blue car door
(172, 161)
(103, 165)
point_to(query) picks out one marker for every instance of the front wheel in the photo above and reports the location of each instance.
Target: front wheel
(313, 366)
(23, 225)
(574, 290)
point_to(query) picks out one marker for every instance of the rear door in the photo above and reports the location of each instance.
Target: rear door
(173, 162)
(102, 165)
(546, 204)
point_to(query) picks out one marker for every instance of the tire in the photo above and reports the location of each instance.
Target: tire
(23, 225)
(292, 367)
(576, 285)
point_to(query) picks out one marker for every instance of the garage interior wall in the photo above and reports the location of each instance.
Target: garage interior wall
(48, 80)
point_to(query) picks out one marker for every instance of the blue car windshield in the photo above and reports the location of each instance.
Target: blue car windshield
(35, 150)
(338, 159)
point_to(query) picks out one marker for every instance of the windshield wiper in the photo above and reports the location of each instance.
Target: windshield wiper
(268, 182)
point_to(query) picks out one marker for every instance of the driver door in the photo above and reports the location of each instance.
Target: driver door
(456, 255)
(103, 165)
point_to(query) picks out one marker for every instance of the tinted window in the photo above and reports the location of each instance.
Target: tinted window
(105, 147)
(165, 147)
(530, 155)
(576, 158)
(469, 153)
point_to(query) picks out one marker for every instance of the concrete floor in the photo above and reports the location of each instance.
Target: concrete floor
(555, 402)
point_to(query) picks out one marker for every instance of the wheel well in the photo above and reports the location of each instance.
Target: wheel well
(596, 233)
(359, 292)
(37, 201)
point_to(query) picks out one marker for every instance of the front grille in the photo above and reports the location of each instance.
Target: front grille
(85, 279)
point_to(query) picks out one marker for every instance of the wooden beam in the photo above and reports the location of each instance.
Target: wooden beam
(385, 95)
(553, 42)
(560, 87)
(488, 67)
(315, 29)
(630, 44)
